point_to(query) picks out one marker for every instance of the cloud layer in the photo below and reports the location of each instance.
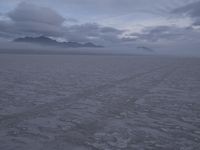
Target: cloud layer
(26, 12)
(39, 18)
(31, 20)
(192, 10)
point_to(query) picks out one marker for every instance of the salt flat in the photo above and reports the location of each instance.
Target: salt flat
(72, 102)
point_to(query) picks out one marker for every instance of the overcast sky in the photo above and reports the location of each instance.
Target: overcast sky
(156, 23)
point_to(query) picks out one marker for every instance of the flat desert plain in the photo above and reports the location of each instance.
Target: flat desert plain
(91, 102)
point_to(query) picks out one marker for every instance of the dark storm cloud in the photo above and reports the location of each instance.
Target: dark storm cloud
(31, 20)
(32, 13)
(192, 10)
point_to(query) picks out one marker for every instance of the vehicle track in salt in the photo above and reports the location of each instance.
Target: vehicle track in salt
(111, 107)
(47, 108)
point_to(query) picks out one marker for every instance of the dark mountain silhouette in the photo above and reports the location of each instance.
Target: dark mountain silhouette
(147, 49)
(42, 40)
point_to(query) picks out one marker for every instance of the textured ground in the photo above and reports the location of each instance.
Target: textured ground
(99, 103)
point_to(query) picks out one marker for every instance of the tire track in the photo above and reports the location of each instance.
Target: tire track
(46, 109)
(121, 105)
(102, 118)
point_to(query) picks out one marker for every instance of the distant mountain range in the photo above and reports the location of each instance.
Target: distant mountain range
(147, 49)
(42, 40)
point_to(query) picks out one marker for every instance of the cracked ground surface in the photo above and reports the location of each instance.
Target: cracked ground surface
(99, 102)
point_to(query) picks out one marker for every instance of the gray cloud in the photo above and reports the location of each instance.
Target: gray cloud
(192, 10)
(31, 20)
(28, 19)
(32, 13)
(161, 32)
(94, 32)
(119, 7)
(165, 33)
(150, 21)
